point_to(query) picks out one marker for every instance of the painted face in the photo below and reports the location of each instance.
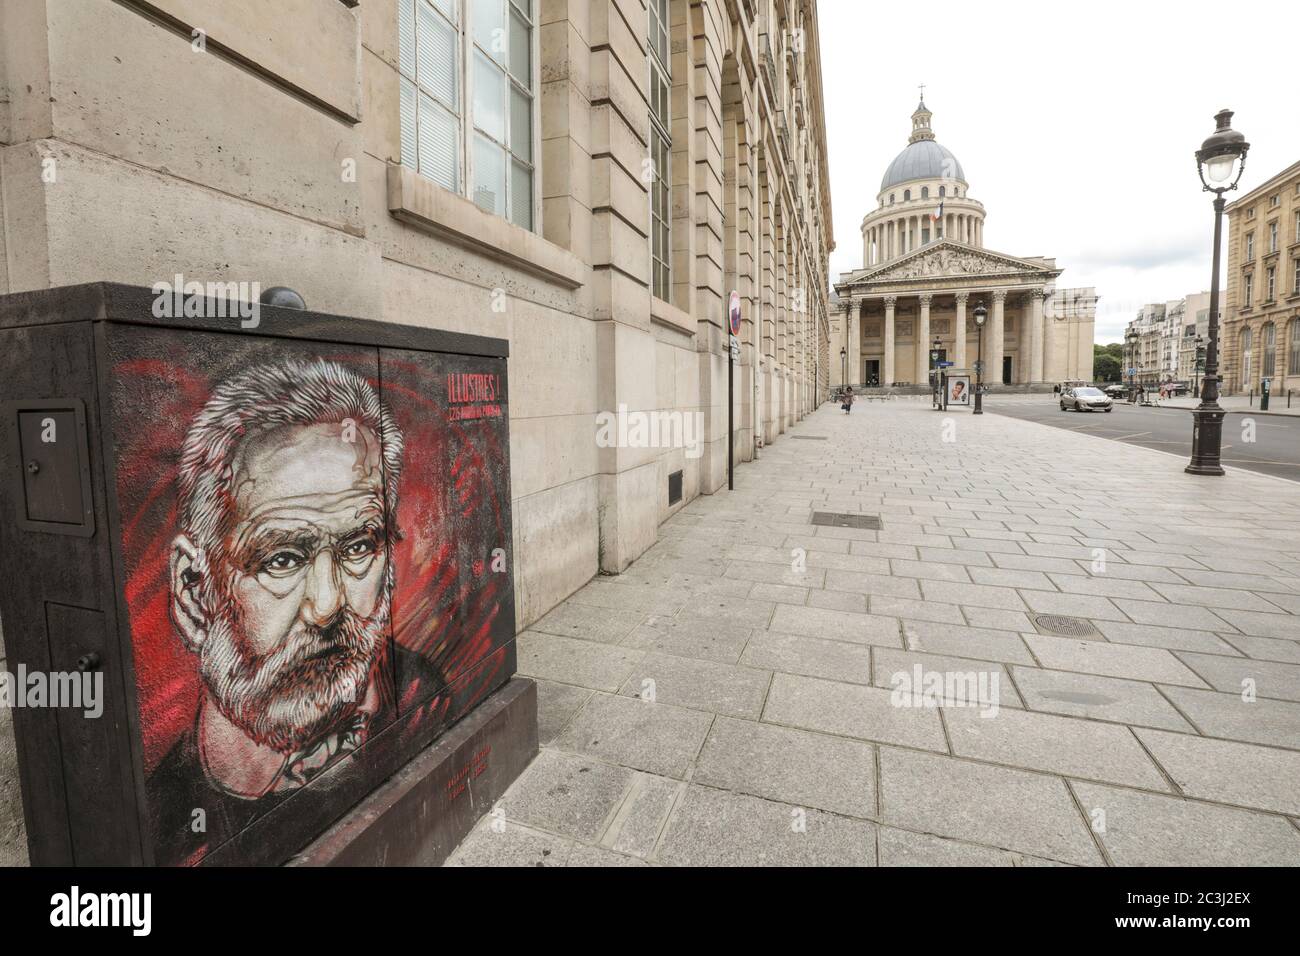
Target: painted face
(302, 602)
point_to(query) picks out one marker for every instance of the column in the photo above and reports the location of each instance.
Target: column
(888, 377)
(923, 342)
(1053, 371)
(855, 341)
(959, 331)
(997, 341)
(1035, 322)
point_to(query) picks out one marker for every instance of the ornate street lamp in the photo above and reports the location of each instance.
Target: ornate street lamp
(981, 316)
(1219, 162)
(844, 363)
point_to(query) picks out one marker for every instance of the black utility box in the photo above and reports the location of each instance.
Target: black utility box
(278, 542)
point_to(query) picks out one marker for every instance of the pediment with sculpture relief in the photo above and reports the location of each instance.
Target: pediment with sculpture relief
(947, 260)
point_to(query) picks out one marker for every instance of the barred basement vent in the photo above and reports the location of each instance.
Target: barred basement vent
(834, 519)
(1064, 626)
(674, 487)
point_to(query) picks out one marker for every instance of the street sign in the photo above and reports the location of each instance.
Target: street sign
(1132, 371)
(735, 346)
(946, 364)
(733, 312)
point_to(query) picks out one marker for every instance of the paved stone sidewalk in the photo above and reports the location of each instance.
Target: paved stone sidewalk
(728, 700)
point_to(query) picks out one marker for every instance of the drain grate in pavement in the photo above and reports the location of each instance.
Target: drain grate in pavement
(833, 519)
(1064, 626)
(810, 437)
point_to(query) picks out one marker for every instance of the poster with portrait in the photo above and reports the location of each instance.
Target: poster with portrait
(317, 548)
(958, 388)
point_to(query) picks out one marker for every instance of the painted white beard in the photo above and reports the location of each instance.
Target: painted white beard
(282, 700)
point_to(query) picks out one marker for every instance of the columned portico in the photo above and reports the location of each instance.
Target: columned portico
(932, 289)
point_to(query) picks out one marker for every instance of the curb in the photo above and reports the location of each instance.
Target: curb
(1227, 411)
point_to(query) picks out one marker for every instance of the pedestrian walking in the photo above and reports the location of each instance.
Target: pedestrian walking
(848, 400)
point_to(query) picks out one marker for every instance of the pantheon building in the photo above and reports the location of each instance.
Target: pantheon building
(926, 268)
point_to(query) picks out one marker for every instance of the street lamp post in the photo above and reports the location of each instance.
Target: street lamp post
(1197, 366)
(844, 363)
(1219, 163)
(981, 316)
(934, 371)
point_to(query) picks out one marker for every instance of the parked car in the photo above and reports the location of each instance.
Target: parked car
(1087, 397)
(1116, 391)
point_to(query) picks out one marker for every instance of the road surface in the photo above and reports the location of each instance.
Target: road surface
(1275, 449)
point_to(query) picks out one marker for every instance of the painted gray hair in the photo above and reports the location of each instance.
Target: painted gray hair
(261, 399)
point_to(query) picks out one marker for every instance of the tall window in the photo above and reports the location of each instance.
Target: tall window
(1293, 338)
(1249, 283)
(661, 149)
(1271, 284)
(1245, 357)
(467, 99)
(925, 192)
(1250, 247)
(1295, 279)
(1272, 236)
(1270, 350)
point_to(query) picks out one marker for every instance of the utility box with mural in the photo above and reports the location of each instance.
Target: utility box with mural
(280, 548)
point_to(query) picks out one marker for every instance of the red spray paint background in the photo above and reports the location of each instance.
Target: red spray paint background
(449, 605)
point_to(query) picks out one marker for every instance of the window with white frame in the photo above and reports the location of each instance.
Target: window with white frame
(1272, 284)
(661, 150)
(468, 102)
(1250, 246)
(1249, 281)
(1295, 279)
(1272, 236)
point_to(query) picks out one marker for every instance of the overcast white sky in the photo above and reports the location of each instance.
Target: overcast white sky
(1075, 123)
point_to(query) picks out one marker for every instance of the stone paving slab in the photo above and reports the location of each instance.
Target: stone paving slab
(850, 710)
(703, 685)
(1143, 829)
(716, 828)
(792, 766)
(1100, 698)
(994, 806)
(730, 698)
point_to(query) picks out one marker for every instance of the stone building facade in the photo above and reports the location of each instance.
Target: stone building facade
(1165, 342)
(1261, 318)
(925, 270)
(588, 179)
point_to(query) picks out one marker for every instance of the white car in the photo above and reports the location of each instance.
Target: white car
(1086, 398)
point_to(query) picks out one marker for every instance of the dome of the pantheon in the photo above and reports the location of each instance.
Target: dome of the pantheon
(923, 157)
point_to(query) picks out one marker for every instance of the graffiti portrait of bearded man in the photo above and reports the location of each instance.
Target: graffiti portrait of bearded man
(281, 583)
